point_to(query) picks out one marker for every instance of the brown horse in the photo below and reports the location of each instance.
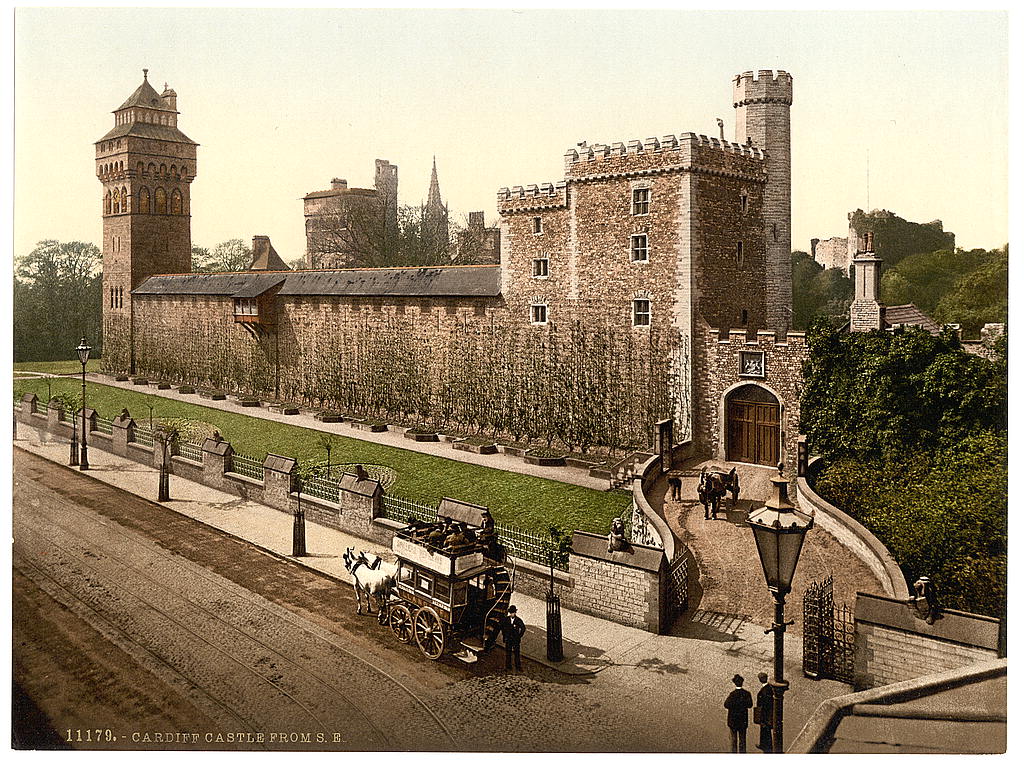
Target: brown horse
(712, 487)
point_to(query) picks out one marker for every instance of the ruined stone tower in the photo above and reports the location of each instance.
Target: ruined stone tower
(762, 119)
(146, 166)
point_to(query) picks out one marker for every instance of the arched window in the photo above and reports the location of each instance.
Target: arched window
(184, 171)
(116, 202)
(124, 199)
(141, 168)
(174, 171)
(161, 201)
(152, 169)
(143, 206)
(163, 170)
(176, 201)
(106, 203)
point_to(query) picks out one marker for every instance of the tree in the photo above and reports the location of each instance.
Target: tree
(817, 292)
(230, 255)
(57, 300)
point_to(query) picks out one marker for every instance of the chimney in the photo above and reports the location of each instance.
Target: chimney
(866, 311)
(339, 184)
(476, 220)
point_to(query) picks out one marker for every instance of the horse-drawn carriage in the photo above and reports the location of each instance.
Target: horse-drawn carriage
(451, 587)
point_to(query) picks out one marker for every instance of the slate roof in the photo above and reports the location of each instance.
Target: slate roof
(909, 315)
(145, 96)
(147, 131)
(265, 257)
(449, 281)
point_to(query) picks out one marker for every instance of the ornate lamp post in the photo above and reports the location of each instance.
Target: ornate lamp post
(299, 524)
(779, 530)
(83, 357)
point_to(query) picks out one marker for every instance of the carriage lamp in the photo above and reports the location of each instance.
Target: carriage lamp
(83, 357)
(779, 529)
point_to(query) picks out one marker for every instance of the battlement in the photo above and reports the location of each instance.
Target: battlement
(766, 86)
(741, 339)
(544, 194)
(651, 145)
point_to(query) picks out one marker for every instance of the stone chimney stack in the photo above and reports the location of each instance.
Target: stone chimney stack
(866, 311)
(339, 184)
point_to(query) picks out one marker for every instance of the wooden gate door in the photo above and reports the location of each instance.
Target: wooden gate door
(753, 433)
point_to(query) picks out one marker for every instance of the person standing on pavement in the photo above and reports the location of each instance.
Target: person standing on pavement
(512, 631)
(738, 703)
(764, 713)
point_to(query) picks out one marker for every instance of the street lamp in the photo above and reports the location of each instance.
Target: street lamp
(83, 357)
(779, 530)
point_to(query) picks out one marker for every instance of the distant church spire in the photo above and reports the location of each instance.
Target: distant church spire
(435, 217)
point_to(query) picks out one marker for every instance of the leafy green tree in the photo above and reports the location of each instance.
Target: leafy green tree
(912, 432)
(57, 300)
(979, 297)
(817, 292)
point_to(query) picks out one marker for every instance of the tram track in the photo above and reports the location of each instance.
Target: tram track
(183, 575)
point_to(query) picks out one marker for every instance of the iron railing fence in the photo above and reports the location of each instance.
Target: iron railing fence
(104, 425)
(246, 466)
(143, 436)
(190, 451)
(322, 489)
(520, 542)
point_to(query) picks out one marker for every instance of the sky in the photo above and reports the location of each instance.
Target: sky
(905, 111)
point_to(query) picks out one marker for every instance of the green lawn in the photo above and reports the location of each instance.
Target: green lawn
(67, 366)
(516, 499)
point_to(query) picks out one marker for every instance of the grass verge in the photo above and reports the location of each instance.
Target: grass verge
(514, 499)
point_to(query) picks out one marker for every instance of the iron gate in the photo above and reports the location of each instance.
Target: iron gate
(828, 635)
(677, 577)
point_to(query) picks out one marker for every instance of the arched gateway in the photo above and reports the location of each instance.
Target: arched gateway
(752, 426)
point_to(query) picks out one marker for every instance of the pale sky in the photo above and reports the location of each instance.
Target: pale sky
(282, 101)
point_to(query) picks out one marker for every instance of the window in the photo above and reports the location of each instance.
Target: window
(638, 248)
(641, 201)
(144, 200)
(246, 307)
(641, 312)
(739, 253)
(160, 201)
(538, 227)
(124, 199)
(539, 313)
(176, 201)
(540, 268)
(743, 202)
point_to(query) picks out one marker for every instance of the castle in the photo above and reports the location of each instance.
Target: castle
(653, 281)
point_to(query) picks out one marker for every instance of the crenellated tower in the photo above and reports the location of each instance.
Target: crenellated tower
(762, 119)
(146, 165)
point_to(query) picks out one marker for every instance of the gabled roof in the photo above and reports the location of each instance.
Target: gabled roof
(909, 315)
(265, 257)
(145, 96)
(449, 281)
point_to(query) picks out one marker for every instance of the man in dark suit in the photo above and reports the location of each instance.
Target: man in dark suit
(763, 713)
(738, 703)
(512, 630)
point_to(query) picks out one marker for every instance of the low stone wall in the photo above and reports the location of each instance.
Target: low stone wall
(893, 644)
(854, 536)
(624, 587)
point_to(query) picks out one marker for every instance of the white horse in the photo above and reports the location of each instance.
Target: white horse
(369, 582)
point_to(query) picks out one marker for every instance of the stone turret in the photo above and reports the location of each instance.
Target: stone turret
(762, 119)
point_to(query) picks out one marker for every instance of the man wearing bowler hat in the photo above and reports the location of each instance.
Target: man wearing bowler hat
(512, 630)
(738, 703)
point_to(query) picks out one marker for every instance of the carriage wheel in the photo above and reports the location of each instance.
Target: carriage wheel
(400, 620)
(430, 633)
